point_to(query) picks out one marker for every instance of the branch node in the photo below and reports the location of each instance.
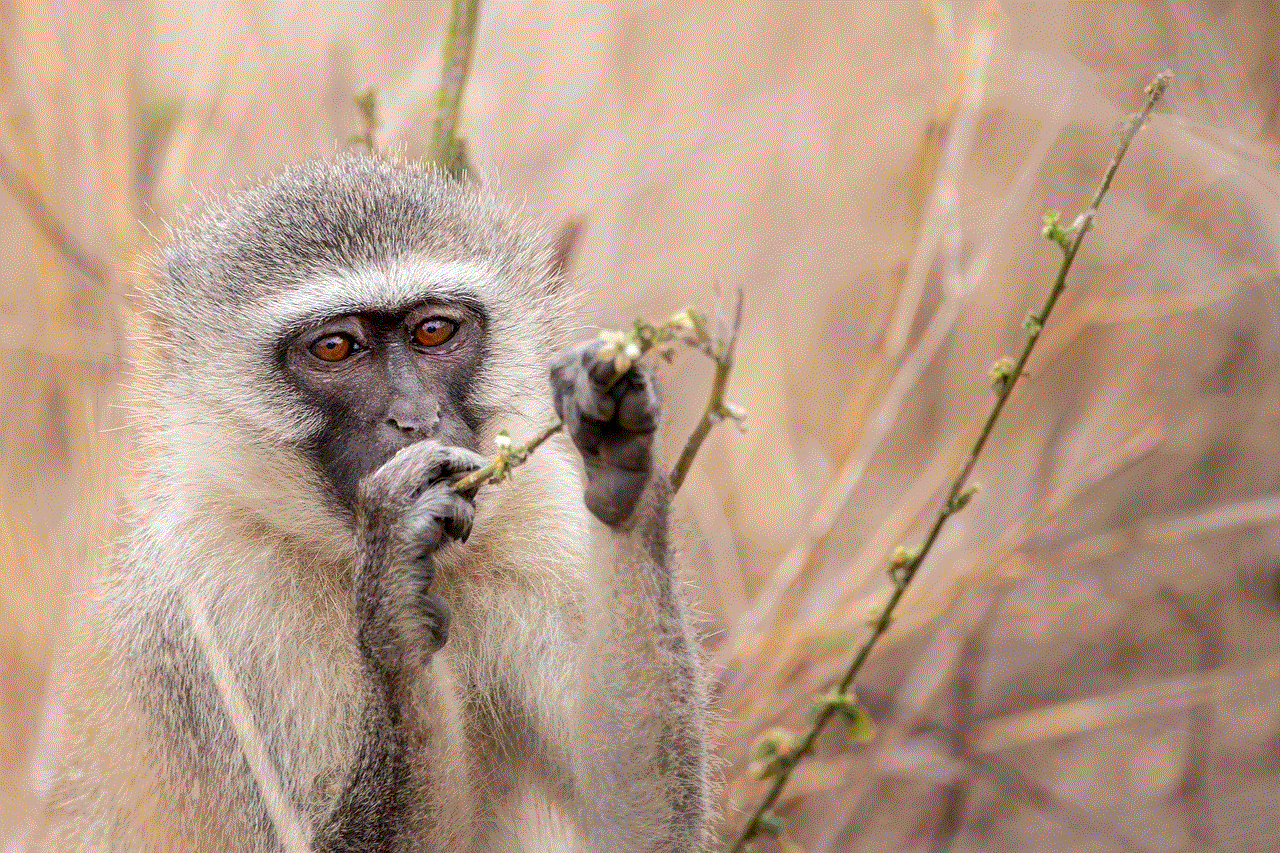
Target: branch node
(962, 500)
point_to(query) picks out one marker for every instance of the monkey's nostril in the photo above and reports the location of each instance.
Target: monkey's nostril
(404, 424)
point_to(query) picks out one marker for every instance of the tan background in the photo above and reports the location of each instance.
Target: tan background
(1091, 658)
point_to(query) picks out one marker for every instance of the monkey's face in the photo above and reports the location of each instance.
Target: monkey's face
(310, 326)
(381, 380)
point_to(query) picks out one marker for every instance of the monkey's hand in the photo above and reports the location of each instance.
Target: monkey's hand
(405, 510)
(613, 427)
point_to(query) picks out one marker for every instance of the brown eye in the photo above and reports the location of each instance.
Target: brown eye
(434, 331)
(334, 347)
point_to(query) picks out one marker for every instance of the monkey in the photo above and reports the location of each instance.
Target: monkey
(310, 640)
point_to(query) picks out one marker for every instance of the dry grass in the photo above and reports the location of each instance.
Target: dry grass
(1089, 659)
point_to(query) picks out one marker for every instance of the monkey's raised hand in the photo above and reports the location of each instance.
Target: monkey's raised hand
(613, 427)
(405, 510)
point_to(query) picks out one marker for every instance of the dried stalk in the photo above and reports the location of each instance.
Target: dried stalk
(43, 217)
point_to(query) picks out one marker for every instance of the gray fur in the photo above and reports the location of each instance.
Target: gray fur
(432, 672)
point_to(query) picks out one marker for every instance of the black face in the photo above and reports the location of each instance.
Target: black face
(386, 380)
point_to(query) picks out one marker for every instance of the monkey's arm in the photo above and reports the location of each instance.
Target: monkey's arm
(639, 755)
(405, 511)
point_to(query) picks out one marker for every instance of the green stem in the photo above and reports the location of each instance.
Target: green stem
(952, 503)
(715, 410)
(446, 148)
(516, 456)
(480, 476)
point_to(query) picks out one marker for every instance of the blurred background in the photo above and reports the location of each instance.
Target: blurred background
(1090, 658)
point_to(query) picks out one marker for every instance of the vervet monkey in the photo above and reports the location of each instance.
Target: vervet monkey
(307, 623)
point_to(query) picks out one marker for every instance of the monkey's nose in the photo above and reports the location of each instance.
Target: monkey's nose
(403, 424)
(416, 424)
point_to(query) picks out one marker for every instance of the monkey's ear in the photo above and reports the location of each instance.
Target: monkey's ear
(565, 244)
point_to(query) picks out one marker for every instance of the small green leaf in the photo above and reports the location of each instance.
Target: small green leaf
(833, 699)
(367, 103)
(902, 555)
(858, 720)
(1055, 232)
(771, 751)
(962, 499)
(699, 322)
(1000, 373)
(903, 559)
(876, 615)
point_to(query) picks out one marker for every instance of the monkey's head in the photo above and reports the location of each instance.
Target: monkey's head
(311, 326)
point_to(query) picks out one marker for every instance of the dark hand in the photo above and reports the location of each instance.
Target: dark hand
(614, 428)
(405, 511)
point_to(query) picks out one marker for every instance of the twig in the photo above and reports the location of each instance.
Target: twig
(716, 409)
(1166, 696)
(907, 561)
(625, 348)
(447, 148)
(505, 461)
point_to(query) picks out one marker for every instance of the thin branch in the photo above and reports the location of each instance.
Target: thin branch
(1167, 696)
(688, 326)
(716, 409)
(447, 149)
(1006, 377)
(506, 461)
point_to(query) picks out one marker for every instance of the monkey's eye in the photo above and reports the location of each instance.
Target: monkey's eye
(334, 347)
(434, 331)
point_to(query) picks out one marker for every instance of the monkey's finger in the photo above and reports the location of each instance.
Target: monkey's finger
(416, 467)
(455, 515)
(436, 616)
(460, 523)
(580, 374)
(586, 433)
(638, 405)
(600, 370)
(566, 363)
(435, 515)
(453, 463)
